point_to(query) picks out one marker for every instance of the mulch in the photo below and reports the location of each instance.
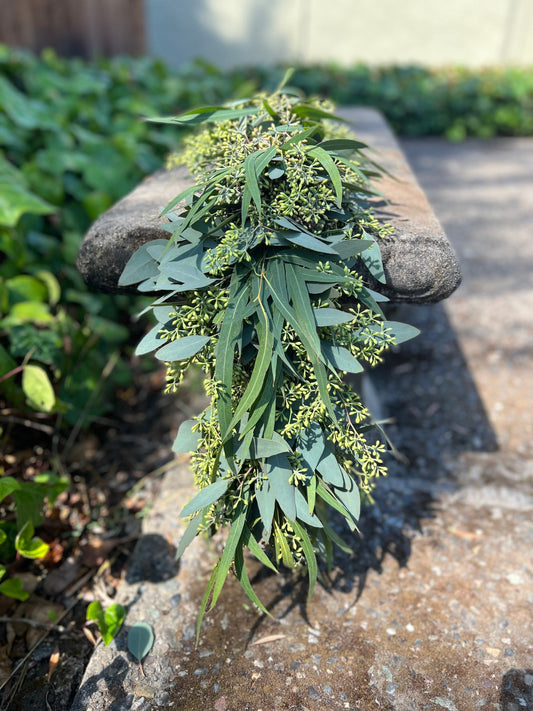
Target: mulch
(115, 468)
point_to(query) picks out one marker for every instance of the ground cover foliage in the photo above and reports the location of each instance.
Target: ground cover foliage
(71, 144)
(260, 285)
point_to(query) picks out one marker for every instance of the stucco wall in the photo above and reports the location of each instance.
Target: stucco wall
(473, 33)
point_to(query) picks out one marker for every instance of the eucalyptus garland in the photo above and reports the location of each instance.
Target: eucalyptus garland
(260, 286)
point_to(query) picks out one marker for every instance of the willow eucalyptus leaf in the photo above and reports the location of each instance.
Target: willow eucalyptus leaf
(182, 348)
(187, 439)
(141, 265)
(151, 341)
(340, 358)
(206, 497)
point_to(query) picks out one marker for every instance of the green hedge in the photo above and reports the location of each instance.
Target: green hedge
(417, 101)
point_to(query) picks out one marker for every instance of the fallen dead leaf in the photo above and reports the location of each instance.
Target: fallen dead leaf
(54, 661)
(90, 636)
(267, 639)
(468, 535)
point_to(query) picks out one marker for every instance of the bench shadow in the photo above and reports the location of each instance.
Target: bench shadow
(425, 389)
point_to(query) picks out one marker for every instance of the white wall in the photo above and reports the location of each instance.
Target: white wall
(473, 33)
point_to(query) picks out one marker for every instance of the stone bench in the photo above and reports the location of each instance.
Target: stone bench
(419, 262)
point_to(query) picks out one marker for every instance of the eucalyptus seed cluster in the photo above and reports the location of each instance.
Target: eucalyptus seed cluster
(263, 291)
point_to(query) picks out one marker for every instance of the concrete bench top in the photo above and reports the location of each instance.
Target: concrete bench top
(419, 262)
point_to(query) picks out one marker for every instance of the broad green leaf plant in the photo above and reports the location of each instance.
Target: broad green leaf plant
(261, 284)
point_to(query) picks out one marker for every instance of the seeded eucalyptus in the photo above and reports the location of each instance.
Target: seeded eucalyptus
(260, 285)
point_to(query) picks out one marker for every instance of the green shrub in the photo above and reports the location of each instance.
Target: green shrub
(418, 101)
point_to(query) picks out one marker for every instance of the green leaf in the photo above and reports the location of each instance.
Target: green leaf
(262, 363)
(351, 247)
(266, 502)
(16, 200)
(207, 114)
(186, 440)
(206, 496)
(266, 401)
(232, 543)
(278, 471)
(322, 382)
(285, 80)
(263, 448)
(140, 640)
(230, 330)
(326, 495)
(250, 176)
(183, 196)
(29, 546)
(14, 588)
(300, 136)
(114, 617)
(182, 348)
(331, 317)
(311, 445)
(303, 309)
(95, 613)
(372, 260)
(52, 284)
(275, 173)
(38, 388)
(330, 469)
(400, 331)
(370, 298)
(302, 510)
(282, 547)
(189, 275)
(254, 164)
(190, 534)
(327, 162)
(307, 242)
(141, 265)
(205, 599)
(330, 533)
(350, 497)
(242, 577)
(27, 312)
(305, 111)
(245, 203)
(256, 550)
(310, 557)
(29, 503)
(150, 341)
(7, 486)
(270, 110)
(341, 144)
(24, 287)
(109, 621)
(340, 358)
